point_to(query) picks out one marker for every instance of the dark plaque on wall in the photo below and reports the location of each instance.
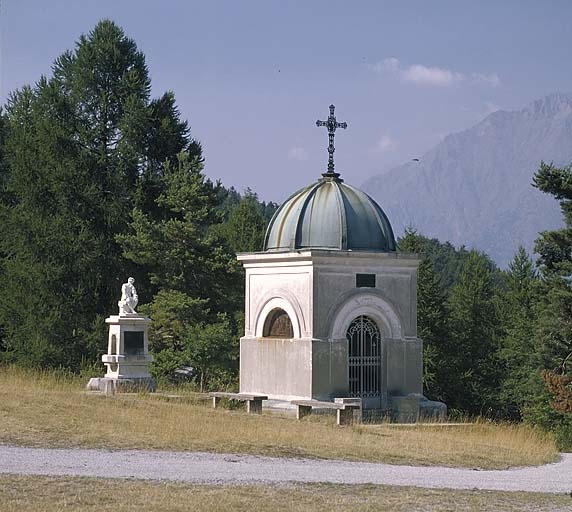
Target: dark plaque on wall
(365, 280)
(133, 343)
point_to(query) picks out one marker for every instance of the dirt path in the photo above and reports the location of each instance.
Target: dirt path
(200, 467)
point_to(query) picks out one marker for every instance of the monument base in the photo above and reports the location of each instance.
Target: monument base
(110, 386)
(127, 359)
(127, 355)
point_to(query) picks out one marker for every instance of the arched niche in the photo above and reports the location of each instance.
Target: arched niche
(113, 348)
(278, 325)
(269, 310)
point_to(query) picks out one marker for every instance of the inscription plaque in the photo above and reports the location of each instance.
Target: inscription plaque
(133, 343)
(365, 280)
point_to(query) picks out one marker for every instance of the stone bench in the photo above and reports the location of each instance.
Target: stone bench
(253, 402)
(344, 411)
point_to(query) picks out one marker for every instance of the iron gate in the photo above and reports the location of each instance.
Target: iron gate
(364, 342)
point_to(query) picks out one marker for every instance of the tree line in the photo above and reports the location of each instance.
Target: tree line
(99, 180)
(498, 343)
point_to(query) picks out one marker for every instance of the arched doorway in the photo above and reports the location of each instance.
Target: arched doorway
(364, 361)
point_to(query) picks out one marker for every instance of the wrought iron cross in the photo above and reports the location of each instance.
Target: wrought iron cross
(331, 124)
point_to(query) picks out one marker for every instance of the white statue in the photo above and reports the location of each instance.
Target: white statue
(129, 298)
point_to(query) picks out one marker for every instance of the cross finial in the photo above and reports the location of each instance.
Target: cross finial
(331, 124)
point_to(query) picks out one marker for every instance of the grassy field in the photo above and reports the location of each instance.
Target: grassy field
(51, 494)
(46, 409)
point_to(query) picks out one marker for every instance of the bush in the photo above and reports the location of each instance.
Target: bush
(210, 348)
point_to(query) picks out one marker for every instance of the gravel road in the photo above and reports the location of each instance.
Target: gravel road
(207, 468)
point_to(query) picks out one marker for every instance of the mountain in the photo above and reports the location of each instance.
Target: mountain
(474, 188)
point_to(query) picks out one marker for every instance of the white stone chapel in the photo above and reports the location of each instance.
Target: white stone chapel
(331, 305)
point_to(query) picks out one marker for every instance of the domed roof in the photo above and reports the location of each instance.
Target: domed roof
(329, 214)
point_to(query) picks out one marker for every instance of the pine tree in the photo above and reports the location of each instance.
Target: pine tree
(473, 363)
(519, 353)
(197, 276)
(555, 261)
(182, 250)
(83, 148)
(245, 228)
(447, 261)
(554, 320)
(432, 318)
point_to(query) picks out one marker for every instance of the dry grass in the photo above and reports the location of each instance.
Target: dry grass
(43, 409)
(51, 494)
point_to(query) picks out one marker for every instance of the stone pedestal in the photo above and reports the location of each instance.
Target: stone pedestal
(127, 357)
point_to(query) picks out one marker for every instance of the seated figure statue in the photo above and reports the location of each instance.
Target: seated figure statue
(129, 298)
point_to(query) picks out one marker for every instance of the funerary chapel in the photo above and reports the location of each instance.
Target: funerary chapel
(331, 304)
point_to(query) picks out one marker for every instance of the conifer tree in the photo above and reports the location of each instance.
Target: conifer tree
(518, 352)
(447, 261)
(197, 277)
(246, 225)
(182, 249)
(554, 320)
(473, 367)
(432, 318)
(555, 262)
(83, 148)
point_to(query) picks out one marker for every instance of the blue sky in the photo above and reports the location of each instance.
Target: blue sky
(252, 77)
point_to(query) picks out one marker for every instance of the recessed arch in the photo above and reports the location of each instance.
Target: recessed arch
(278, 325)
(370, 305)
(277, 303)
(113, 347)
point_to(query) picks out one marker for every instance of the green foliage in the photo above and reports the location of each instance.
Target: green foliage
(105, 181)
(181, 335)
(489, 334)
(447, 261)
(82, 148)
(52, 235)
(196, 277)
(432, 317)
(539, 411)
(553, 330)
(245, 228)
(173, 312)
(230, 199)
(555, 262)
(245, 219)
(557, 182)
(213, 350)
(182, 250)
(458, 319)
(473, 365)
(518, 352)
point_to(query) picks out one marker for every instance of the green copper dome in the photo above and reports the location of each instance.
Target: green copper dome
(330, 214)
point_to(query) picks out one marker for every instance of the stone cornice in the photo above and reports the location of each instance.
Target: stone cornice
(326, 257)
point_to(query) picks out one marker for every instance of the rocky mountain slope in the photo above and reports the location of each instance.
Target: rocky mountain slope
(474, 188)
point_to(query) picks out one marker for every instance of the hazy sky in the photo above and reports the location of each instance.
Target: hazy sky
(252, 77)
